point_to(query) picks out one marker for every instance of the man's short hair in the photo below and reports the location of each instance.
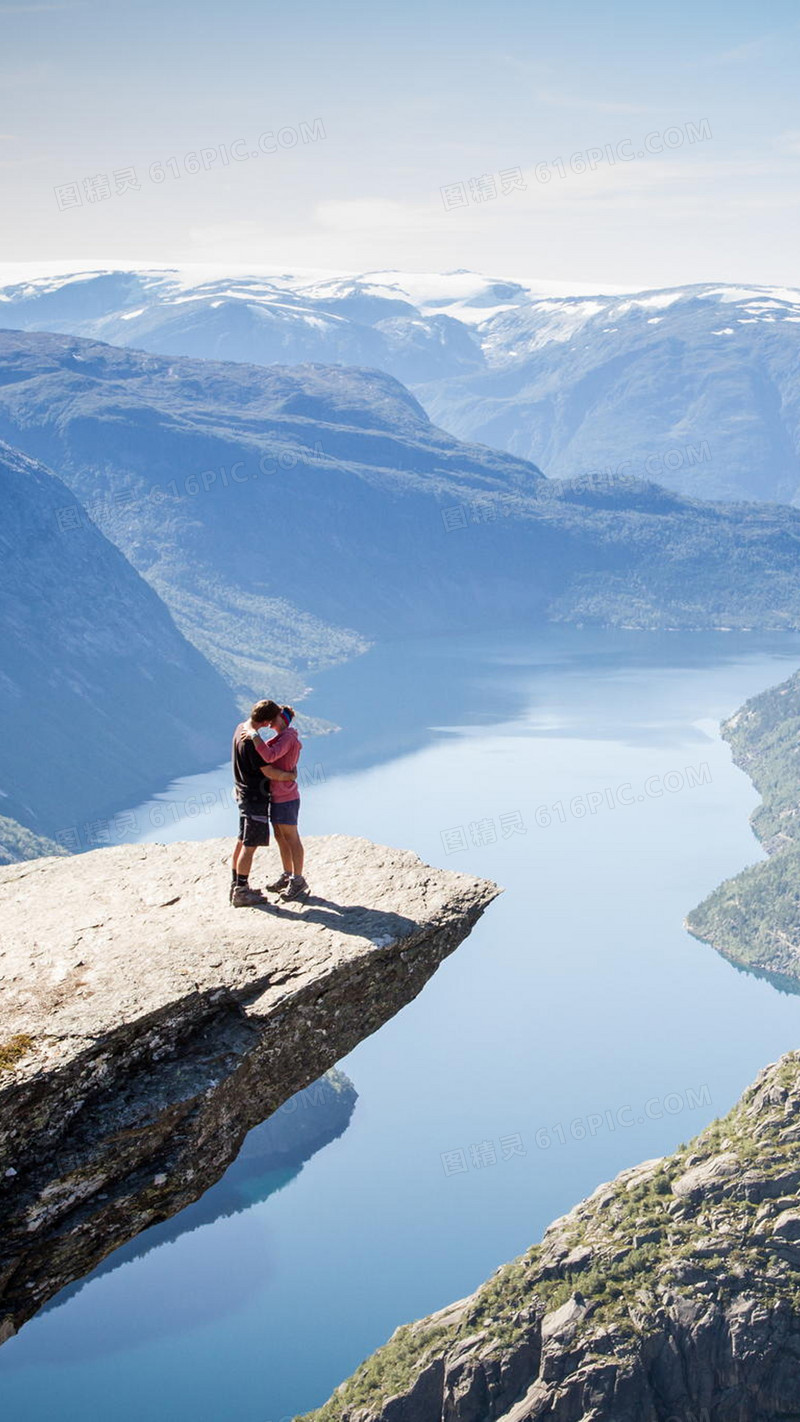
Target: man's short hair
(264, 711)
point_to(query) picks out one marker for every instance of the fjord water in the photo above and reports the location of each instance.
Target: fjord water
(579, 1029)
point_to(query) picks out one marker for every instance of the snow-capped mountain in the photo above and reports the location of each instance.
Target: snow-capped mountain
(284, 318)
(696, 388)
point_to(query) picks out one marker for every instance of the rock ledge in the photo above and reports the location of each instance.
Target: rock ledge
(154, 1026)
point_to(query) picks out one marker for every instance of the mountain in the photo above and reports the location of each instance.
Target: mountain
(671, 1294)
(695, 388)
(103, 699)
(286, 515)
(280, 319)
(272, 509)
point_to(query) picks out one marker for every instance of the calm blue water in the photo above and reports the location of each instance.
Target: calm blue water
(578, 1031)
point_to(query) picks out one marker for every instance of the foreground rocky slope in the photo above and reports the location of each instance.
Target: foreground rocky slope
(670, 1295)
(754, 918)
(147, 1026)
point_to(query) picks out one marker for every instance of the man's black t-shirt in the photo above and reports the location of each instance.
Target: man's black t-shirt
(252, 788)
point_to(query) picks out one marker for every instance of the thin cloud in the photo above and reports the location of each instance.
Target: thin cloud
(556, 99)
(37, 73)
(536, 69)
(789, 142)
(36, 8)
(753, 48)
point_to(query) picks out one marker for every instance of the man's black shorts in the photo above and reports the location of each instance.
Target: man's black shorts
(253, 830)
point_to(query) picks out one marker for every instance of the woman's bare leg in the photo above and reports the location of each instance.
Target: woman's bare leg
(284, 846)
(295, 849)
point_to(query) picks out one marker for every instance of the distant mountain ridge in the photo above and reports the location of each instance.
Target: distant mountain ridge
(286, 515)
(695, 387)
(268, 507)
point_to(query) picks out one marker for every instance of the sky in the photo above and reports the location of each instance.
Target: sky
(631, 145)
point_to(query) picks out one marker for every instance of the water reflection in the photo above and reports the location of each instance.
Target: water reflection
(581, 994)
(272, 1156)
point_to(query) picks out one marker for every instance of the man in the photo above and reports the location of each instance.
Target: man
(252, 781)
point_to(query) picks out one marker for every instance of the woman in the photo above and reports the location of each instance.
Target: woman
(283, 752)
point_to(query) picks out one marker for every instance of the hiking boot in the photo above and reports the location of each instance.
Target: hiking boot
(282, 882)
(298, 888)
(242, 896)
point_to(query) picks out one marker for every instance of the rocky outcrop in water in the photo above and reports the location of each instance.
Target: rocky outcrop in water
(670, 1295)
(147, 1026)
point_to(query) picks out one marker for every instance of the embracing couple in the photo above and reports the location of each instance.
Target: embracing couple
(265, 777)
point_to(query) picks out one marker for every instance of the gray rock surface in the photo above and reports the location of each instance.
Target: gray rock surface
(671, 1295)
(147, 1026)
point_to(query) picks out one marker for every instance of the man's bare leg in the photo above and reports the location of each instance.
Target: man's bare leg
(243, 859)
(235, 861)
(241, 893)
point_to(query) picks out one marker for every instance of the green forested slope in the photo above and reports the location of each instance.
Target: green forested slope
(754, 918)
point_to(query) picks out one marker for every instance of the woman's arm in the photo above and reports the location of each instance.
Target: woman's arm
(267, 751)
(271, 750)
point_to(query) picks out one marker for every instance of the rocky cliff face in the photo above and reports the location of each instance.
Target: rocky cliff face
(147, 1026)
(670, 1295)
